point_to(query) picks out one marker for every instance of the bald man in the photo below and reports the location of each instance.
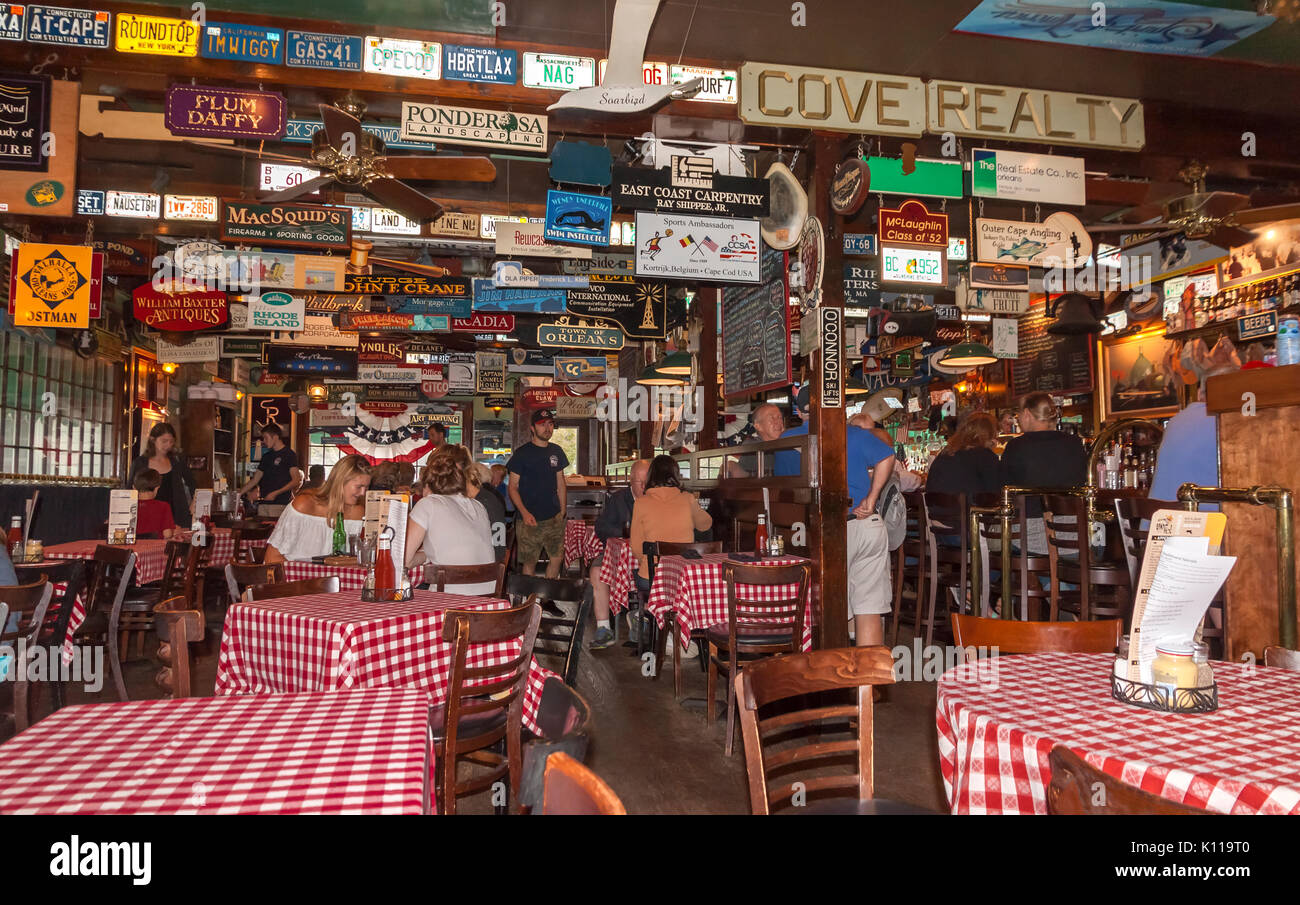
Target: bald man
(614, 520)
(769, 423)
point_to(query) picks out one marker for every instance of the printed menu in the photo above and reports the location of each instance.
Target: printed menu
(122, 508)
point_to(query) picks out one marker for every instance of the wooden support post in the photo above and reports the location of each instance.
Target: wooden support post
(829, 532)
(645, 427)
(709, 299)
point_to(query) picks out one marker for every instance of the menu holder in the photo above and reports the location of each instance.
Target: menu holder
(123, 506)
(202, 504)
(1202, 699)
(387, 510)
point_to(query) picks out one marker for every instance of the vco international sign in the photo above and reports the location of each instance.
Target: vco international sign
(468, 126)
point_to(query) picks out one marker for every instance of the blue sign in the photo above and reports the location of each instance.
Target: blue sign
(317, 50)
(70, 27)
(576, 370)
(300, 131)
(90, 203)
(11, 22)
(860, 244)
(581, 162)
(452, 306)
(578, 219)
(489, 297)
(253, 43)
(1257, 326)
(479, 64)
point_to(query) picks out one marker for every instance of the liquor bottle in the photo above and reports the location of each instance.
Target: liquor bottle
(1130, 473)
(340, 536)
(1144, 473)
(760, 536)
(14, 539)
(385, 571)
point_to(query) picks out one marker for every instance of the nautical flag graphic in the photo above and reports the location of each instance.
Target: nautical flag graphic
(687, 241)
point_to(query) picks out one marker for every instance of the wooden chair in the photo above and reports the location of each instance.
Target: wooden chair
(564, 720)
(70, 574)
(29, 602)
(484, 704)
(327, 585)
(1011, 636)
(668, 548)
(945, 519)
(112, 569)
(573, 789)
(1077, 787)
(1033, 599)
(1103, 587)
(476, 574)
(564, 632)
(240, 576)
(913, 547)
(244, 534)
(754, 628)
(820, 671)
(182, 577)
(1282, 658)
(177, 624)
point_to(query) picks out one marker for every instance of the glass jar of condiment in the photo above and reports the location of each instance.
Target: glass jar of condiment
(1174, 667)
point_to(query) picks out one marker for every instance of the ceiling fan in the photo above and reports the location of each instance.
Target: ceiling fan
(366, 168)
(1221, 218)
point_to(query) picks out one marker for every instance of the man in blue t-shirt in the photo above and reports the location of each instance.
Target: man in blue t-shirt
(537, 489)
(786, 461)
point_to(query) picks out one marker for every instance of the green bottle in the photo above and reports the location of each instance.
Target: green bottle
(340, 536)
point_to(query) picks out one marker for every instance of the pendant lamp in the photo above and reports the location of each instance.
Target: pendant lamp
(968, 354)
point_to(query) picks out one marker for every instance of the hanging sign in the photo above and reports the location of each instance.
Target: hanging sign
(640, 309)
(179, 307)
(499, 402)
(930, 178)
(157, 35)
(460, 373)
(203, 208)
(276, 311)
(144, 205)
(577, 218)
(1040, 178)
(472, 126)
(489, 297)
(455, 223)
(718, 86)
(849, 186)
(564, 334)
(207, 112)
(51, 285)
(24, 123)
(483, 322)
(251, 43)
(403, 58)
(538, 398)
(307, 225)
(514, 274)
(568, 370)
(859, 244)
(833, 100)
(332, 303)
(579, 407)
(1061, 237)
(491, 370)
(913, 224)
(398, 373)
(466, 63)
(999, 276)
(1006, 342)
(321, 50)
(707, 248)
(562, 73)
(581, 163)
(318, 330)
(529, 240)
(239, 347)
(913, 264)
(69, 27)
(531, 361)
(90, 203)
(697, 191)
(312, 362)
(393, 323)
(995, 301)
(600, 263)
(203, 348)
(414, 286)
(832, 357)
(861, 285)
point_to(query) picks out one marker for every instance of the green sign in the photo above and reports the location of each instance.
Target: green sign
(466, 17)
(299, 225)
(930, 179)
(241, 347)
(563, 334)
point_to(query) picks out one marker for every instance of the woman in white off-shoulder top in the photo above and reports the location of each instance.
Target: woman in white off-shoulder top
(306, 527)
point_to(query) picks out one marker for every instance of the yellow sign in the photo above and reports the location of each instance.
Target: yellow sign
(52, 288)
(156, 35)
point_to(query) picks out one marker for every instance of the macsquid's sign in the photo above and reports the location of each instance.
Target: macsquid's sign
(299, 225)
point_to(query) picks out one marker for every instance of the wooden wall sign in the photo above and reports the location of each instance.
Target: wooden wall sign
(832, 357)
(180, 308)
(24, 120)
(52, 193)
(913, 224)
(382, 322)
(850, 186)
(483, 322)
(52, 285)
(382, 351)
(565, 333)
(205, 112)
(418, 286)
(299, 225)
(645, 189)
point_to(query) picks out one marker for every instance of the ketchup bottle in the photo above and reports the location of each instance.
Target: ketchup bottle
(385, 571)
(760, 536)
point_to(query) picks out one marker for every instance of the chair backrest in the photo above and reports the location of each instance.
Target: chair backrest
(475, 574)
(177, 623)
(243, 534)
(29, 602)
(327, 585)
(1011, 636)
(184, 560)
(562, 634)
(242, 575)
(945, 515)
(781, 678)
(1283, 658)
(915, 500)
(110, 575)
(779, 615)
(1077, 787)
(71, 573)
(573, 789)
(1067, 527)
(564, 721)
(1130, 513)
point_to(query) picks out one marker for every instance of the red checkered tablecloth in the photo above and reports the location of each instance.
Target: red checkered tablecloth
(356, 752)
(580, 541)
(998, 719)
(319, 642)
(695, 591)
(351, 578)
(616, 570)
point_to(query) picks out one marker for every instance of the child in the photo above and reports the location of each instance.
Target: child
(153, 517)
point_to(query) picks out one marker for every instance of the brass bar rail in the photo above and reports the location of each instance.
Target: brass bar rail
(1103, 438)
(1279, 499)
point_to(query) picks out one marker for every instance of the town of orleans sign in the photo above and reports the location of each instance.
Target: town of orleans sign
(580, 335)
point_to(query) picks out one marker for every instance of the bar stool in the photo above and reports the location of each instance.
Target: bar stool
(1103, 589)
(1026, 568)
(945, 517)
(914, 546)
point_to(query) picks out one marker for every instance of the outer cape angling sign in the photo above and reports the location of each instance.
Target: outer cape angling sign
(638, 308)
(207, 112)
(308, 225)
(702, 192)
(180, 307)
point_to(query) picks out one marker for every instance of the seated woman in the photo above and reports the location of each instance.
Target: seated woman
(480, 490)
(306, 527)
(447, 527)
(967, 464)
(665, 512)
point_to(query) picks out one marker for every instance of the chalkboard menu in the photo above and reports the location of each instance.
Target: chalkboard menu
(1063, 367)
(756, 331)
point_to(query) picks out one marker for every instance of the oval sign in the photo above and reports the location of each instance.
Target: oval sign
(277, 298)
(850, 186)
(45, 193)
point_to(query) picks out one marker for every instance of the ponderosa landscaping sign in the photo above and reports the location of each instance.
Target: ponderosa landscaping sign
(301, 225)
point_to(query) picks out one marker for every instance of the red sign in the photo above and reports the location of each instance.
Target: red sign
(539, 398)
(96, 283)
(180, 308)
(381, 351)
(435, 389)
(913, 225)
(484, 323)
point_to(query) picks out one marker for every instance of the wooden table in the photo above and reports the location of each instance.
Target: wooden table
(616, 570)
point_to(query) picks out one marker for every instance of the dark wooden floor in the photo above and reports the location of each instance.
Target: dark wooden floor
(662, 758)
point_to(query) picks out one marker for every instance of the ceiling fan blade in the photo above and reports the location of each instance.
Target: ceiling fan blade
(421, 269)
(1265, 214)
(1146, 240)
(303, 188)
(1128, 227)
(402, 198)
(249, 152)
(1143, 213)
(1230, 237)
(338, 123)
(440, 167)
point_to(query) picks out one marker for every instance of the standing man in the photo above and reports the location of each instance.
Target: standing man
(437, 434)
(278, 475)
(537, 489)
(615, 520)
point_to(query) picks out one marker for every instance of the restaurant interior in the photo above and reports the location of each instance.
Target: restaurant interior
(641, 407)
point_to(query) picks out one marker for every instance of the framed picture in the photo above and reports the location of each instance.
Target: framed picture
(1275, 251)
(1136, 380)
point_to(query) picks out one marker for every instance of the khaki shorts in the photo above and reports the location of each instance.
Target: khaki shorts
(548, 536)
(867, 554)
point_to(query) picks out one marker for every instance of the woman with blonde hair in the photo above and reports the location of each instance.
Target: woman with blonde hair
(306, 527)
(448, 527)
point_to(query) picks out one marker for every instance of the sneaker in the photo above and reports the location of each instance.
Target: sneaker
(604, 638)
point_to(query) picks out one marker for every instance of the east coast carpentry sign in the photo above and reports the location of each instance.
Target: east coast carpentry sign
(469, 126)
(668, 190)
